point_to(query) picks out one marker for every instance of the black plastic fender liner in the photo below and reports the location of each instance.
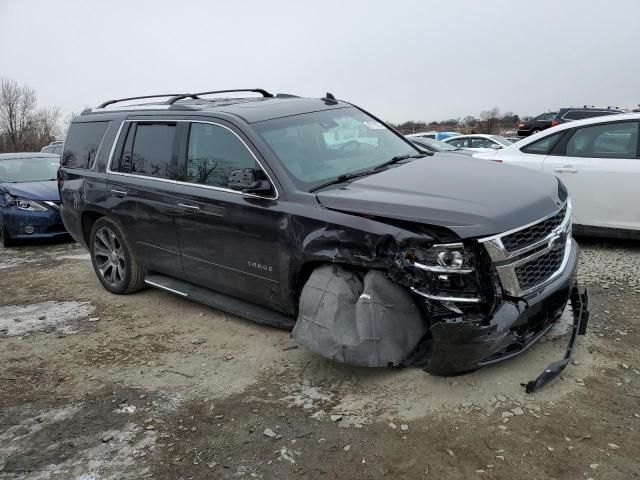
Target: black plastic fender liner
(372, 322)
(580, 309)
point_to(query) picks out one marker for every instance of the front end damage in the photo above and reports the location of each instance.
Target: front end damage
(452, 307)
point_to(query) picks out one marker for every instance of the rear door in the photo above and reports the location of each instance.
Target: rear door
(140, 191)
(601, 170)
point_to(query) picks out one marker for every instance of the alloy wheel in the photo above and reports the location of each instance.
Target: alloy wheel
(109, 257)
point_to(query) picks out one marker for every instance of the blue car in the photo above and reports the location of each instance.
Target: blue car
(29, 198)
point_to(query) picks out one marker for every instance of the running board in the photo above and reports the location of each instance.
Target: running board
(221, 301)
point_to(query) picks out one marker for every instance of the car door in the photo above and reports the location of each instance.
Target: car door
(141, 179)
(601, 170)
(229, 240)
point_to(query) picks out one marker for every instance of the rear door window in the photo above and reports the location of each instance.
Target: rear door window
(482, 143)
(82, 143)
(459, 142)
(151, 150)
(612, 140)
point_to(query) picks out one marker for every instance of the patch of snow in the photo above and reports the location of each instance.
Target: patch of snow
(42, 317)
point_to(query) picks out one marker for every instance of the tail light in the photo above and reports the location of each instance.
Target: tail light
(521, 125)
(554, 122)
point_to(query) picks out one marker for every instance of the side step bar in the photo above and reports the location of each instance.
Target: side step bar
(221, 301)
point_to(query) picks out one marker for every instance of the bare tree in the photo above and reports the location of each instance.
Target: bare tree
(17, 107)
(489, 120)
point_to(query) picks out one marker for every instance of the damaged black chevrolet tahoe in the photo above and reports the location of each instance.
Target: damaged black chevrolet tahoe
(314, 215)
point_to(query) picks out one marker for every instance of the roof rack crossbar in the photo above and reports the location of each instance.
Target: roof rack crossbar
(177, 97)
(117, 100)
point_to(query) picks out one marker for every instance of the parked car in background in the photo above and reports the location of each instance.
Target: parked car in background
(598, 159)
(29, 199)
(435, 135)
(432, 145)
(479, 142)
(250, 206)
(572, 114)
(536, 124)
(53, 147)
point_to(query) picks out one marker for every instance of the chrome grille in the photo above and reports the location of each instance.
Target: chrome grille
(539, 270)
(529, 257)
(530, 235)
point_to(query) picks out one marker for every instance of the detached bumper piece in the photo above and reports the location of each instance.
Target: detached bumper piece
(580, 308)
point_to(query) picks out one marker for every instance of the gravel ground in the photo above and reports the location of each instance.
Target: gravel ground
(96, 386)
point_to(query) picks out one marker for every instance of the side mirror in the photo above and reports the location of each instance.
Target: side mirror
(246, 180)
(495, 146)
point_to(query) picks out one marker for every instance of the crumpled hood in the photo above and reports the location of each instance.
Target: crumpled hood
(470, 196)
(45, 191)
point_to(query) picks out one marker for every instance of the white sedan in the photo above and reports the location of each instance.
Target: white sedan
(479, 142)
(598, 159)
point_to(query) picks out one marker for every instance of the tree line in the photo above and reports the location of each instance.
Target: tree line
(489, 121)
(24, 125)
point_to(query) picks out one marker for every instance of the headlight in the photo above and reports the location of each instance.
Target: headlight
(444, 271)
(30, 205)
(443, 258)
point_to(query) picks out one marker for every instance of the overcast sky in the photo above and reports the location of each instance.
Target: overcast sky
(402, 60)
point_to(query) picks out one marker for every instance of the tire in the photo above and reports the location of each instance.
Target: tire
(113, 259)
(7, 241)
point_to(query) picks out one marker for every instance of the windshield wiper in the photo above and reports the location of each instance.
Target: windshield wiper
(341, 179)
(399, 158)
(349, 176)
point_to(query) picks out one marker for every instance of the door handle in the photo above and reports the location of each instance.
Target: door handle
(119, 193)
(566, 168)
(188, 208)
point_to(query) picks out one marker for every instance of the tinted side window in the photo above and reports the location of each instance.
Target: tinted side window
(215, 151)
(613, 140)
(82, 144)
(460, 143)
(150, 149)
(482, 143)
(544, 145)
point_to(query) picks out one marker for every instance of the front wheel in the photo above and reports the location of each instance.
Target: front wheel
(113, 260)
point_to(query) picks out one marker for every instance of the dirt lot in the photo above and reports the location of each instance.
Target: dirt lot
(96, 386)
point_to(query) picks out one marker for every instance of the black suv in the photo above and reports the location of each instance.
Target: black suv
(572, 113)
(313, 214)
(536, 124)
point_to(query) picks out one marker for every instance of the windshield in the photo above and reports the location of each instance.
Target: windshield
(320, 146)
(501, 139)
(29, 169)
(436, 144)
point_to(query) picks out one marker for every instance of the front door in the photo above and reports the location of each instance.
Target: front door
(141, 192)
(229, 241)
(601, 170)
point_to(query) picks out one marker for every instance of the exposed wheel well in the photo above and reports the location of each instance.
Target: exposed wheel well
(88, 219)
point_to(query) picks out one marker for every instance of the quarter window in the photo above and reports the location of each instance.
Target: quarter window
(82, 144)
(215, 151)
(544, 145)
(612, 140)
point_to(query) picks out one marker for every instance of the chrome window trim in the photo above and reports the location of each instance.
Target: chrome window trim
(190, 184)
(444, 298)
(506, 263)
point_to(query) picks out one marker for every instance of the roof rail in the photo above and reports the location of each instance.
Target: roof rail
(117, 100)
(177, 97)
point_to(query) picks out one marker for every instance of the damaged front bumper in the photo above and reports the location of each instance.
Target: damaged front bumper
(460, 345)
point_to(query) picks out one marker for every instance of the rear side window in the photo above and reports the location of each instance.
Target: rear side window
(580, 114)
(612, 140)
(544, 145)
(215, 151)
(150, 149)
(82, 144)
(460, 143)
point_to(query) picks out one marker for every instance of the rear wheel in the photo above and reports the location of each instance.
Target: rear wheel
(114, 262)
